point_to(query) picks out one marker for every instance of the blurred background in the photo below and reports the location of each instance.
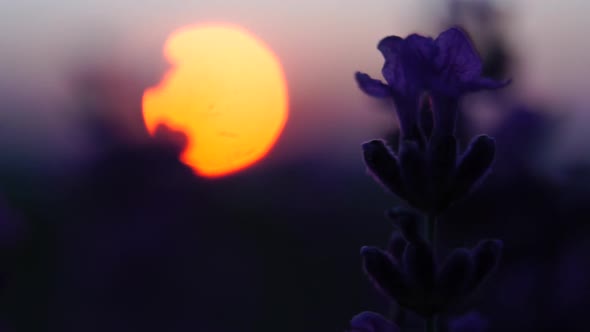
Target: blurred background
(103, 229)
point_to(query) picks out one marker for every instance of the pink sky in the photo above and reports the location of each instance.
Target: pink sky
(320, 43)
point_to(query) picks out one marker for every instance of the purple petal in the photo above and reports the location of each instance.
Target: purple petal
(390, 47)
(393, 71)
(371, 86)
(371, 322)
(457, 58)
(419, 55)
(396, 246)
(454, 275)
(424, 48)
(384, 273)
(408, 63)
(486, 256)
(383, 165)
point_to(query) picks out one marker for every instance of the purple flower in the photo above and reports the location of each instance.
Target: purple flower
(458, 67)
(446, 67)
(408, 273)
(371, 322)
(433, 179)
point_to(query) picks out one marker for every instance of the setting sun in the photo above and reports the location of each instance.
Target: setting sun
(225, 91)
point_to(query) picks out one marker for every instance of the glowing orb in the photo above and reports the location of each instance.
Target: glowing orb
(226, 92)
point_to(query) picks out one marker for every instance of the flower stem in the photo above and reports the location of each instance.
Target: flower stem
(431, 231)
(430, 324)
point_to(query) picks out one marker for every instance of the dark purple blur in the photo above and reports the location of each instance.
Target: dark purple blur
(129, 239)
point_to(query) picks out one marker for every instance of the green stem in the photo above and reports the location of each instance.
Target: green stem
(430, 325)
(431, 231)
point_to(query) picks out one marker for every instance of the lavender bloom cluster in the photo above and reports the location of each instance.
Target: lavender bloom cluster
(429, 173)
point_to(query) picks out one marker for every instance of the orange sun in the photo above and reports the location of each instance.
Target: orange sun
(226, 92)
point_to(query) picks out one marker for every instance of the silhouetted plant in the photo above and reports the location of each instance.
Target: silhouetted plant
(429, 173)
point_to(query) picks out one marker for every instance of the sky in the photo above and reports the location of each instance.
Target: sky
(44, 44)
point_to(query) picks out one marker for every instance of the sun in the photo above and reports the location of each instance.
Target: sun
(226, 91)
